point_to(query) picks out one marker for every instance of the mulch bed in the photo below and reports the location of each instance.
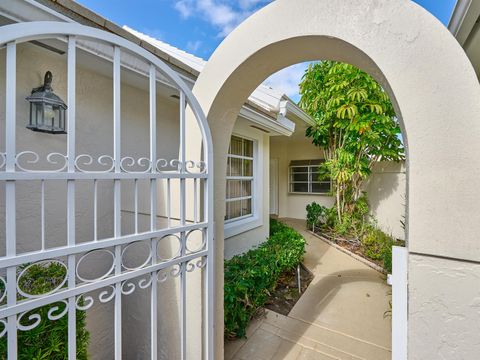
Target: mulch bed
(286, 295)
(350, 245)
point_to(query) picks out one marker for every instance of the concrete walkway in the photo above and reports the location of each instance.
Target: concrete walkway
(340, 316)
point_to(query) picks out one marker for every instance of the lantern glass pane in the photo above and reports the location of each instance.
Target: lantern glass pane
(39, 115)
(31, 114)
(49, 115)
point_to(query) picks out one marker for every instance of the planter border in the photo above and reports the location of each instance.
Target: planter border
(351, 254)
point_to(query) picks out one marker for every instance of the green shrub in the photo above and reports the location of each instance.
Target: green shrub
(249, 278)
(378, 246)
(387, 259)
(314, 212)
(353, 223)
(49, 340)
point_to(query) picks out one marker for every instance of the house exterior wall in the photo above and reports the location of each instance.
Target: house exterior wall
(386, 188)
(285, 150)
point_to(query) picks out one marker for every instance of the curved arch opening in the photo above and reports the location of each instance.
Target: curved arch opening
(329, 291)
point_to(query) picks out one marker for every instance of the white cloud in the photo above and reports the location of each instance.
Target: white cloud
(182, 6)
(287, 80)
(193, 46)
(224, 15)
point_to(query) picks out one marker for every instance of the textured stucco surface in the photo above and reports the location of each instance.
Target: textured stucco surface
(386, 190)
(444, 309)
(429, 78)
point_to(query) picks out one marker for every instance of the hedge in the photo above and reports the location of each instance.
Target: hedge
(250, 278)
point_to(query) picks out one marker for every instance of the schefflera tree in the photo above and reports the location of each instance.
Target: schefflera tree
(355, 125)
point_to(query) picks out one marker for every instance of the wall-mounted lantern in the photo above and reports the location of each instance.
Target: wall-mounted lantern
(47, 110)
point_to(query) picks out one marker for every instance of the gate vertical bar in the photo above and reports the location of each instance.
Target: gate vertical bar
(95, 211)
(209, 274)
(117, 199)
(71, 80)
(10, 208)
(183, 274)
(153, 208)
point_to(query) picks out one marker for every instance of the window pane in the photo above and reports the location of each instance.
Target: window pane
(246, 207)
(323, 187)
(299, 187)
(247, 167)
(246, 188)
(234, 209)
(247, 148)
(299, 177)
(236, 145)
(235, 167)
(234, 189)
(239, 167)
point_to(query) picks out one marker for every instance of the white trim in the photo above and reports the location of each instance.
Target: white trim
(399, 280)
(290, 110)
(286, 127)
(458, 16)
(30, 10)
(273, 184)
(238, 199)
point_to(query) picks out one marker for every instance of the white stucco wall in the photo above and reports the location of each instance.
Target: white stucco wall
(386, 187)
(386, 190)
(285, 150)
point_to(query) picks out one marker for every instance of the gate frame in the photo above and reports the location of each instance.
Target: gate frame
(11, 35)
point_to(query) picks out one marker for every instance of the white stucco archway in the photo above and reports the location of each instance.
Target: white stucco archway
(435, 90)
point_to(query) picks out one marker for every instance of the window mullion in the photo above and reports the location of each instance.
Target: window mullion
(310, 179)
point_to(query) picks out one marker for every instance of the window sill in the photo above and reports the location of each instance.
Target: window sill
(233, 228)
(309, 193)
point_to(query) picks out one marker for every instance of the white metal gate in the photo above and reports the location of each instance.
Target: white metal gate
(17, 308)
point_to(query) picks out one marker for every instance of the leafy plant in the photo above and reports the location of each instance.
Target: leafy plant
(316, 215)
(355, 125)
(48, 340)
(250, 278)
(378, 246)
(352, 224)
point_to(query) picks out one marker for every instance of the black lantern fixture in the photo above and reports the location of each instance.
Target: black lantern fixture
(47, 110)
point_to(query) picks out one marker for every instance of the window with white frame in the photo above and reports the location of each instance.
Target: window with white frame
(304, 178)
(240, 179)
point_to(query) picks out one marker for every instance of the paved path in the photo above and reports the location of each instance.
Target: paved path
(340, 316)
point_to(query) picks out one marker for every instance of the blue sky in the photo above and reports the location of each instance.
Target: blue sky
(198, 26)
